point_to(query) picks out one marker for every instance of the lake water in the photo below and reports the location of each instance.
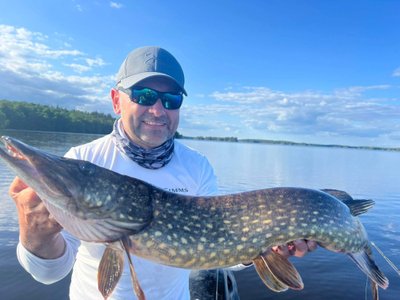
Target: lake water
(241, 167)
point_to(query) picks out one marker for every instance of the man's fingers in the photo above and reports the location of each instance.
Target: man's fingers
(300, 247)
(297, 248)
(23, 194)
(282, 250)
(54, 222)
(16, 186)
(311, 245)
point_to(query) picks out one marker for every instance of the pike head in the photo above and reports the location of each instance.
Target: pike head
(91, 202)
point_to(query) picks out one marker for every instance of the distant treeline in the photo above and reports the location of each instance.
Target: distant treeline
(212, 138)
(287, 143)
(30, 116)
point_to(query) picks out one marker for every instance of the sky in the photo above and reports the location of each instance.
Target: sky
(312, 71)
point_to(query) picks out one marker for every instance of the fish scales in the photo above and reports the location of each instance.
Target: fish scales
(206, 232)
(99, 205)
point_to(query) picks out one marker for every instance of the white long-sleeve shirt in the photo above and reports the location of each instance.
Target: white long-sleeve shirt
(187, 173)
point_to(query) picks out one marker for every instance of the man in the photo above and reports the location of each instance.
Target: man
(147, 96)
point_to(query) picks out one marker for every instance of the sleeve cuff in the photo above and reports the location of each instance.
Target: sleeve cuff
(46, 271)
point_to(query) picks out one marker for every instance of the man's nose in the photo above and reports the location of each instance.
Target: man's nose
(157, 108)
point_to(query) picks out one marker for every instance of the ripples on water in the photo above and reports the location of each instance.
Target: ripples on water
(240, 167)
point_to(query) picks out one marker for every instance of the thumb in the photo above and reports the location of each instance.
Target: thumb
(17, 186)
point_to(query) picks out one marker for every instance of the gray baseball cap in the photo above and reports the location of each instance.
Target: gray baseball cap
(149, 62)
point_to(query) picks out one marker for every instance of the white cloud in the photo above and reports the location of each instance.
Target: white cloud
(348, 112)
(116, 5)
(396, 72)
(24, 51)
(87, 65)
(30, 71)
(78, 67)
(96, 62)
(34, 70)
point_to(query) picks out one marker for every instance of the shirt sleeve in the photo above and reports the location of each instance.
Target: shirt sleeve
(48, 271)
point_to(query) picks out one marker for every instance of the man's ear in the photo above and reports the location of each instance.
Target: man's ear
(116, 101)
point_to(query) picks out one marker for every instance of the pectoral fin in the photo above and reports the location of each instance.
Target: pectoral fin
(267, 276)
(110, 269)
(277, 272)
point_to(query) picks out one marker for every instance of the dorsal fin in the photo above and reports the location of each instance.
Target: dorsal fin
(357, 207)
(341, 195)
(277, 272)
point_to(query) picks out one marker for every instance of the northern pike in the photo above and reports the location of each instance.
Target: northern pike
(98, 205)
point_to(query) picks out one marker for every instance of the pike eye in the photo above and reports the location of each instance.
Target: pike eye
(87, 168)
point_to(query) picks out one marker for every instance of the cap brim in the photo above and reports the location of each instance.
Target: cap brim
(135, 79)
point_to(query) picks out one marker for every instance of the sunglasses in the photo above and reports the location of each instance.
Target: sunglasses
(148, 97)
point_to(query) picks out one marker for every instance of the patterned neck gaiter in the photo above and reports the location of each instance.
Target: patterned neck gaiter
(154, 158)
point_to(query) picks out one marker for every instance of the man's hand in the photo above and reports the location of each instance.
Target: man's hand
(297, 248)
(39, 232)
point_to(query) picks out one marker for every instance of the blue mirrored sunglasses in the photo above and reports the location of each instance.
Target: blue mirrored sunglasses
(148, 97)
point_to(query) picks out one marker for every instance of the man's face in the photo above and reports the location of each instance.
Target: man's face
(147, 126)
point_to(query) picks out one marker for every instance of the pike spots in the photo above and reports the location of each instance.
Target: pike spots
(149, 243)
(209, 226)
(211, 234)
(239, 247)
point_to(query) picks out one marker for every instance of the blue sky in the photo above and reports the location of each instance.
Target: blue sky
(306, 71)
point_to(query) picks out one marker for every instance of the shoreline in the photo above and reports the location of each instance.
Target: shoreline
(237, 140)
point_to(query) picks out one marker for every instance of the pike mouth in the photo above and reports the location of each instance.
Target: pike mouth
(29, 164)
(11, 150)
(14, 155)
